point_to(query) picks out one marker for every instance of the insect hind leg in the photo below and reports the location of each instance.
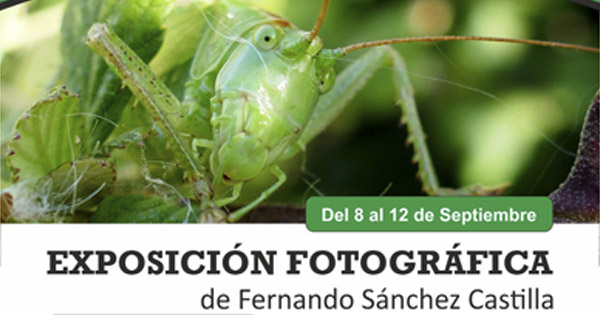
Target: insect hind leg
(354, 78)
(157, 99)
(416, 137)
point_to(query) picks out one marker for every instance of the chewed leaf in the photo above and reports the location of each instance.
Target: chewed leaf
(82, 182)
(142, 209)
(139, 23)
(66, 195)
(48, 135)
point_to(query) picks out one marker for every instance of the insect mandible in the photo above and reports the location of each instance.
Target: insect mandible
(232, 126)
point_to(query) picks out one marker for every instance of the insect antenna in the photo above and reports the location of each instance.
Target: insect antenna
(424, 39)
(320, 20)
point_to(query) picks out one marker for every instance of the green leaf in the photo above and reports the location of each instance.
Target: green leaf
(83, 183)
(48, 135)
(141, 209)
(183, 32)
(139, 24)
(67, 194)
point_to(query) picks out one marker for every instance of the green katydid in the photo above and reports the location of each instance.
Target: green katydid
(232, 126)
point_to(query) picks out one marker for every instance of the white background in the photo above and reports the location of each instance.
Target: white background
(25, 288)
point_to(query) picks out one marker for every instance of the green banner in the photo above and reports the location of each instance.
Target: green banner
(429, 214)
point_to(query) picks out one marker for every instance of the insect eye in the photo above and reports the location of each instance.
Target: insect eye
(267, 37)
(327, 81)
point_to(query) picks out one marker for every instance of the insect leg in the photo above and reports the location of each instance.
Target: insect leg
(203, 143)
(281, 178)
(351, 80)
(237, 189)
(158, 100)
(417, 137)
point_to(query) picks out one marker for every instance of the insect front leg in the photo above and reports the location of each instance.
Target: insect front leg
(281, 178)
(157, 99)
(351, 80)
(235, 194)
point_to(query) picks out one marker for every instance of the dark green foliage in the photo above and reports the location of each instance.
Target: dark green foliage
(141, 209)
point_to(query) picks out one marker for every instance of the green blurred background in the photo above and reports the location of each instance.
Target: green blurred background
(494, 113)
